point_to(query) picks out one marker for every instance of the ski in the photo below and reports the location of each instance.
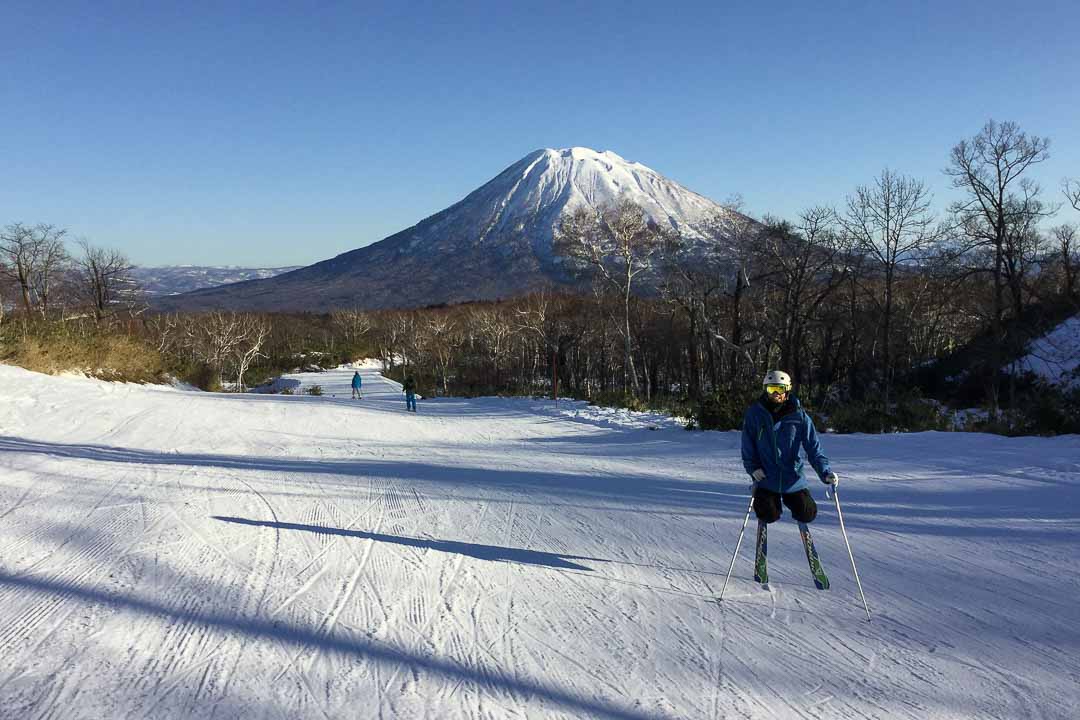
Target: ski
(761, 558)
(821, 580)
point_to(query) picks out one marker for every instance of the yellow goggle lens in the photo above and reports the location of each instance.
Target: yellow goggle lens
(776, 389)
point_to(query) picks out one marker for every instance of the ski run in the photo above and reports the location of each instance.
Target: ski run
(177, 554)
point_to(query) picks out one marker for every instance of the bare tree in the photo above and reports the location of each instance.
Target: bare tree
(444, 341)
(698, 276)
(34, 258)
(890, 222)
(742, 234)
(495, 329)
(686, 283)
(1024, 244)
(354, 323)
(104, 278)
(536, 330)
(392, 337)
(1072, 193)
(799, 261)
(989, 168)
(17, 257)
(162, 329)
(252, 333)
(51, 267)
(214, 337)
(1067, 247)
(9, 290)
(617, 244)
(411, 338)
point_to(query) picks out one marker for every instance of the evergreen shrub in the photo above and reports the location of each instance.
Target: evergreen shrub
(719, 412)
(910, 413)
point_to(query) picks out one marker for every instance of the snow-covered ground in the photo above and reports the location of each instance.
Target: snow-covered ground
(1055, 357)
(170, 554)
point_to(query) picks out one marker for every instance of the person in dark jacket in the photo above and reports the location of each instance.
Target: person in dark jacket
(409, 388)
(357, 384)
(775, 428)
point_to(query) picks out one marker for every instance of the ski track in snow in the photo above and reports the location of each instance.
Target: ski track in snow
(174, 554)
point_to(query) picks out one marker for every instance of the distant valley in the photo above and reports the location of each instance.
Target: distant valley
(177, 279)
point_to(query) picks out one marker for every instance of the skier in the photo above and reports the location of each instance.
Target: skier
(356, 385)
(409, 388)
(774, 428)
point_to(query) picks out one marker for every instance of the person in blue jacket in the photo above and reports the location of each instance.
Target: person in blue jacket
(775, 427)
(409, 388)
(356, 385)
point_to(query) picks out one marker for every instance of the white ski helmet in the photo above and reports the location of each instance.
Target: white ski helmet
(777, 377)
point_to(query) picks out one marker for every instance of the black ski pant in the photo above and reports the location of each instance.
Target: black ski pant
(767, 505)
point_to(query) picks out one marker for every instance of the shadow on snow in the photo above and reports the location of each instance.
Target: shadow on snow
(480, 552)
(641, 492)
(498, 680)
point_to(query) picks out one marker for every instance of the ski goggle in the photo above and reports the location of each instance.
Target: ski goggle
(776, 389)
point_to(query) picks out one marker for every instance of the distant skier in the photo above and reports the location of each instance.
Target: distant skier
(774, 428)
(409, 388)
(357, 383)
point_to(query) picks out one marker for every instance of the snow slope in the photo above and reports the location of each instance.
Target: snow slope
(174, 554)
(546, 185)
(1055, 357)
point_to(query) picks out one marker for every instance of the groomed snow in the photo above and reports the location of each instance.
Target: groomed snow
(168, 554)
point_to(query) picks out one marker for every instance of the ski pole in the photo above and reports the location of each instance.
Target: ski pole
(739, 543)
(840, 516)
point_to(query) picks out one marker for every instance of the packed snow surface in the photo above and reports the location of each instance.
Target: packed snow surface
(171, 554)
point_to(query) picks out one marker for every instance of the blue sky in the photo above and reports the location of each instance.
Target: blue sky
(273, 134)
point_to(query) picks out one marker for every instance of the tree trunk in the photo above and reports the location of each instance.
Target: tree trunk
(629, 361)
(692, 342)
(736, 328)
(886, 326)
(996, 331)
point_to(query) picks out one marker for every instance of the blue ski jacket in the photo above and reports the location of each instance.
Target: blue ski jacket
(356, 381)
(774, 447)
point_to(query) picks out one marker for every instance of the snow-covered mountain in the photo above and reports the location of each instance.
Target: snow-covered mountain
(176, 279)
(495, 243)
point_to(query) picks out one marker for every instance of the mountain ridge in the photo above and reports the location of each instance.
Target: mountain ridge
(157, 280)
